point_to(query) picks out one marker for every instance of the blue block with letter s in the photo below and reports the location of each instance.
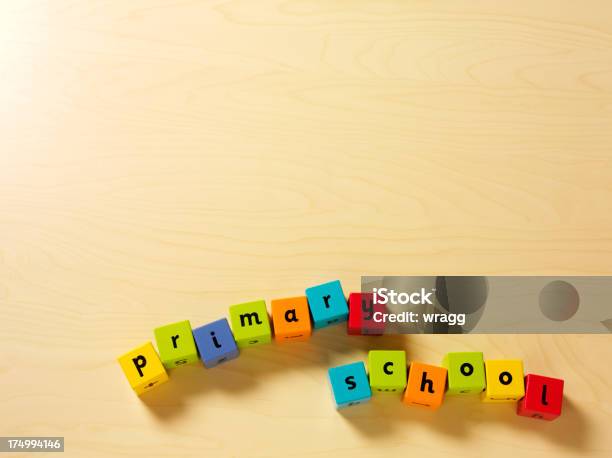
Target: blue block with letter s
(349, 384)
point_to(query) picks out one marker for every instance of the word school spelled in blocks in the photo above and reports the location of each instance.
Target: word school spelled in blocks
(327, 304)
(291, 319)
(543, 397)
(175, 344)
(143, 368)
(349, 384)
(250, 323)
(215, 343)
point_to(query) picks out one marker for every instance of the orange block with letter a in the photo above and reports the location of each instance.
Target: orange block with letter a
(291, 319)
(426, 386)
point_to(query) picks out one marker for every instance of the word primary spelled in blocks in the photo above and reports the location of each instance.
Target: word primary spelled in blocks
(349, 384)
(215, 343)
(387, 370)
(291, 319)
(465, 372)
(504, 381)
(250, 323)
(361, 315)
(143, 368)
(426, 385)
(543, 397)
(175, 344)
(327, 304)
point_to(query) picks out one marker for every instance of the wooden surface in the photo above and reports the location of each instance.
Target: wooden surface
(162, 160)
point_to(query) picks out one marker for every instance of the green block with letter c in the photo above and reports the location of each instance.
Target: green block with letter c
(388, 370)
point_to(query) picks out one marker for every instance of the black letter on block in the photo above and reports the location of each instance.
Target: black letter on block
(387, 371)
(292, 318)
(174, 339)
(326, 300)
(505, 378)
(249, 316)
(350, 381)
(544, 400)
(140, 362)
(214, 339)
(426, 381)
(467, 369)
(367, 307)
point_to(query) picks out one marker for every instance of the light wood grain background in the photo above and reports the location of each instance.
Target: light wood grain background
(162, 159)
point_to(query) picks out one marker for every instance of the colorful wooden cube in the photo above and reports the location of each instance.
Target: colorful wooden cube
(504, 381)
(215, 343)
(361, 315)
(175, 344)
(543, 397)
(250, 323)
(426, 385)
(291, 319)
(327, 304)
(349, 384)
(465, 372)
(387, 369)
(143, 368)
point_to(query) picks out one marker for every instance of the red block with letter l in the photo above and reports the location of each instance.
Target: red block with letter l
(543, 397)
(361, 315)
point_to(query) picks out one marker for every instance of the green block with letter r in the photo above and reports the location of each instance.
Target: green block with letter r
(175, 344)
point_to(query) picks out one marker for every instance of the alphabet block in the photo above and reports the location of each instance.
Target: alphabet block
(504, 381)
(215, 343)
(361, 315)
(327, 304)
(387, 370)
(143, 368)
(175, 344)
(465, 372)
(291, 319)
(543, 397)
(349, 384)
(250, 323)
(426, 385)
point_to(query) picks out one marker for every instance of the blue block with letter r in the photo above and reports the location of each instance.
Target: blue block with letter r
(327, 304)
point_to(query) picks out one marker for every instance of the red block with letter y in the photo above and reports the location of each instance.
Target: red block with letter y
(361, 315)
